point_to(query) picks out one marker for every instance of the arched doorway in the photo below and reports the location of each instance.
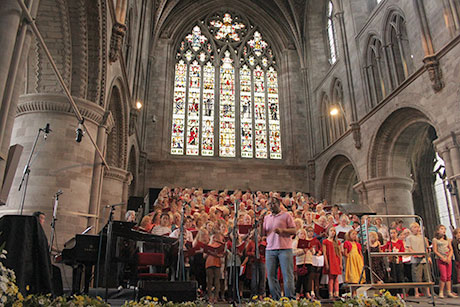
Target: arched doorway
(403, 150)
(338, 181)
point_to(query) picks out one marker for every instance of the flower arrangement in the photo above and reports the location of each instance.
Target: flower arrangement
(284, 302)
(383, 299)
(149, 301)
(10, 295)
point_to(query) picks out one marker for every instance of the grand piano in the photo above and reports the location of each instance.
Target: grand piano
(82, 253)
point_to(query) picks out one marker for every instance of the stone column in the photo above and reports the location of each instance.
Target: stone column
(103, 131)
(387, 195)
(114, 191)
(59, 162)
(15, 42)
(449, 151)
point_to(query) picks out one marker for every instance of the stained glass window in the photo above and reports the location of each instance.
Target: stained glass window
(225, 100)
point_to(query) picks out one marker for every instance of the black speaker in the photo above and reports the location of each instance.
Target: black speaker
(135, 202)
(176, 291)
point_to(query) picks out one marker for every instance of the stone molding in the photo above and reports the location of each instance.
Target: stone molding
(118, 32)
(56, 103)
(118, 174)
(389, 182)
(108, 122)
(356, 132)
(431, 64)
(446, 143)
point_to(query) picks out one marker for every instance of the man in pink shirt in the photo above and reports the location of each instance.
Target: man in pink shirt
(279, 228)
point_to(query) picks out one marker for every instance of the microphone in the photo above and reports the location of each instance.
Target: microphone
(59, 192)
(46, 130)
(79, 131)
(116, 205)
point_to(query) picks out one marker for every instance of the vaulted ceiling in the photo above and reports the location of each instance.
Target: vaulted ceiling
(284, 20)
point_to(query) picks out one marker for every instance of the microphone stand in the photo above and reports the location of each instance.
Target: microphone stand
(53, 221)
(180, 269)
(233, 272)
(107, 251)
(26, 173)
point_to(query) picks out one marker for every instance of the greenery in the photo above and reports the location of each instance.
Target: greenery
(383, 299)
(149, 301)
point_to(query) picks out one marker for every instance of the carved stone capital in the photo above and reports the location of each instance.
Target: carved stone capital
(118, 174)
(133, 114)
(118, 32)
(57, 103)
(431, 64)
(108, 122)
(311, 169)
(356, 132)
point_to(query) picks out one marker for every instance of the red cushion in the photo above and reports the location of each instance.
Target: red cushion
(156, 259)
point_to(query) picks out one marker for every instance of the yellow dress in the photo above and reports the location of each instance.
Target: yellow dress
(354, 266)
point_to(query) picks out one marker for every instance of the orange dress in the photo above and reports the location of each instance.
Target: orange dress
(332, 259)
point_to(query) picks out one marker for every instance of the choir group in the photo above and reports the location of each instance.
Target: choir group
(293, 242)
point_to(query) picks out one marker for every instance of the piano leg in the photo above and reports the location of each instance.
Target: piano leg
(76, 278)
(88, 274)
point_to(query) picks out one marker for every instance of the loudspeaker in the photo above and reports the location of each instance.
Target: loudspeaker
(14, 153)
(176, 291)
(135, 202)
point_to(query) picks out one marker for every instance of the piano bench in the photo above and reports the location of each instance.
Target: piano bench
(152, 276)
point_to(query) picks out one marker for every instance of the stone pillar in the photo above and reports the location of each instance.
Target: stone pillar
(59, 162)
(15, 42)
(387, 195)
(114, 191)
(449, 151)
(95, 198)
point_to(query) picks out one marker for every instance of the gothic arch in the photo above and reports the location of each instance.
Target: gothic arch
(395, 140)
(374, 70)
(403, 148)
(117, 141)
(397, 47)
(277, 35)
(338, 180)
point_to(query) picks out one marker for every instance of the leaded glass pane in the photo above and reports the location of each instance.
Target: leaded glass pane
(260, 109)
(246, 112)
(193, 115)
(178, 122)
(227, 107)
(274, 117)
(207, 146)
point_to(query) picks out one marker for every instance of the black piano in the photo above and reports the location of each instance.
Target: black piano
(82, 254)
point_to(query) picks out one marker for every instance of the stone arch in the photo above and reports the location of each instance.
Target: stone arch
(374, 70)
(403, 149)
(338, 180)
(397, 44)
(278, 35)
(117, 141)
